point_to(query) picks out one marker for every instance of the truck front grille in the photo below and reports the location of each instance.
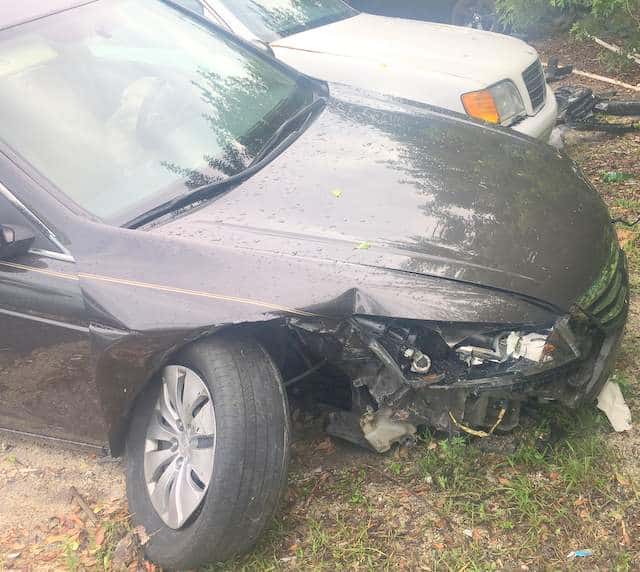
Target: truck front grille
(534, 79)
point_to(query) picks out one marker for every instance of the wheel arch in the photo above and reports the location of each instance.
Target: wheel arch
(129, 362)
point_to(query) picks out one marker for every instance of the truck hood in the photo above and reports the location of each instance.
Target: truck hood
(413, 190)
(424, 47)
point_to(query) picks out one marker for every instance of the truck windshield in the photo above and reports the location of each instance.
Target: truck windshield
(270, 20)
(125, 104)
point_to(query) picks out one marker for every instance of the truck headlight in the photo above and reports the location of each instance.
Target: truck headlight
(499, 104)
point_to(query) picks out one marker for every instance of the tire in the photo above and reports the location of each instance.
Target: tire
(250, 456)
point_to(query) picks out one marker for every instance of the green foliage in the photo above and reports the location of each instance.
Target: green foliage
(526, 16)
(615, 19)
(616, 177)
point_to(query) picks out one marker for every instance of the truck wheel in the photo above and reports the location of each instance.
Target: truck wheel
(207, 453)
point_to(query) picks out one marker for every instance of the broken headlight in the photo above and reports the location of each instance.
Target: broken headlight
(519, 350)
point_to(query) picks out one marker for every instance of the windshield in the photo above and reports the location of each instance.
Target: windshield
(125, 104)
(270, 20)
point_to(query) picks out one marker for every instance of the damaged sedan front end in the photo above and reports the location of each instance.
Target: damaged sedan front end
(469, 378)
(216, 234)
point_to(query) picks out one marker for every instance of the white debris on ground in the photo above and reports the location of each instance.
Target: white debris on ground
(612, 403)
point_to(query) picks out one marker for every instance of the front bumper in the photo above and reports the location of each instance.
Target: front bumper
(542, 123)
(478, 406)
(478, 403)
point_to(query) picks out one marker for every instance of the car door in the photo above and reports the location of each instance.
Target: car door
(46, 380)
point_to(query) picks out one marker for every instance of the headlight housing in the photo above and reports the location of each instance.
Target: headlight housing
(499, 104)
(526, 351)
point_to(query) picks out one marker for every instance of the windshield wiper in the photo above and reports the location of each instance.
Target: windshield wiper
(282, 137)
(295, 125)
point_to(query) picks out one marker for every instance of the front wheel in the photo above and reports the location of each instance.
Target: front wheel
(207, 453)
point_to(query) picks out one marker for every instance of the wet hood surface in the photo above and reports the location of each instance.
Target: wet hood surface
(414, 191)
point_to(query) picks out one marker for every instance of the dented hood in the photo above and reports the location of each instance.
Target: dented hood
(416, 191)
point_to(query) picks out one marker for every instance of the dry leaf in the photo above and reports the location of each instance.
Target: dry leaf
(142, 535)
(626, 539)
(100, 533)
(326, 446)
(625, 236)
(622, 480)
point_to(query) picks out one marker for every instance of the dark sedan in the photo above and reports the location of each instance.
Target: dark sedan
(184, 223)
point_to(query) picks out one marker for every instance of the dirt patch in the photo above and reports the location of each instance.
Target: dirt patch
(36, 480)
(587, 56)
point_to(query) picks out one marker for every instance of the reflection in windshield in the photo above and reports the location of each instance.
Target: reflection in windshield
(274, 19)
(123, 105)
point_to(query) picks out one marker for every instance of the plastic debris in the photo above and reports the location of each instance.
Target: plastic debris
(337, 193)
(579, 554)
(612, 403)
(364, 246)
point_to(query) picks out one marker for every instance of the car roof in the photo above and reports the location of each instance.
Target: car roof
(14, 13)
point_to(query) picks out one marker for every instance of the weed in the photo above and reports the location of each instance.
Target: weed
(451, 464)
(71, 554)
(616, 177)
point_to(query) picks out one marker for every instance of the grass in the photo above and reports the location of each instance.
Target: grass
(490, 511)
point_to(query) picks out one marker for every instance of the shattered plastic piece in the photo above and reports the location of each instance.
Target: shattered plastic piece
(612, 403)
(337, 193)
(556, 72)
(579, 554)
(364, 246)
(382, 431)
(530, 347)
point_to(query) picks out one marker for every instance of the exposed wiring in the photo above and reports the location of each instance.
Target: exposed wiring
(475, 432)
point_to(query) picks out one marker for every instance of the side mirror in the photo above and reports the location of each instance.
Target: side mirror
(15, 241)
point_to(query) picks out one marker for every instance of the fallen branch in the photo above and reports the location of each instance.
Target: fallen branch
(83, 505)
(605, 79)
(615, 49)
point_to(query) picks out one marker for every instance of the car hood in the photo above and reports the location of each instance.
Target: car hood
(423, 47)
(417, 191)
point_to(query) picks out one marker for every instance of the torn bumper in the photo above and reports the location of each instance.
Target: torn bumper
(403, 377)
(477, 406)
(478, 402)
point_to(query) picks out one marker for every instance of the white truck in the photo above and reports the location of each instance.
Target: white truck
(490, 77)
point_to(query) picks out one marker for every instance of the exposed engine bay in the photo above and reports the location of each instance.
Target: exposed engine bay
(384, 379)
